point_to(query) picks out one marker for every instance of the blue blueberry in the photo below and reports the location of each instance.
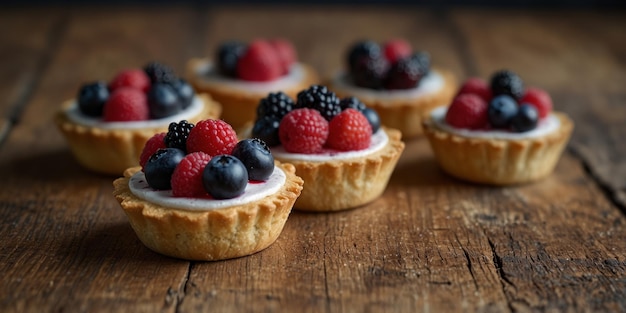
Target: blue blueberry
(160, 167)
(352, 103)
(257, 158)
(92, 97)
(163, 101)
(501, 110)
(184, 91)
(225, 177)
(526, 118)
(373, 118)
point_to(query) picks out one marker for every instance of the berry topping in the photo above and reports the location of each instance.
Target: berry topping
(286, 54)
(352, 103)
(423, 59)
(501, 110)
(92, 97)
(212, 137)
(321, 99)
(126, 104)
(160, 167)
(372, 118)
(364, 49)
(506, 82)
(184, 91)
(349, 130)
(228, 56)
(476, 86)
(396, 49)
(467, 111)
(163, 101)
(539, 99)
(275, 105)
(266, 129)
(187, 177)
(303, 131)
(159, 73)
(153, 144)
(259, 63)
(134, 78)
(177, 134)
(526, 118)
(225, 177)
(404, 74)
(370, 72)
(257, 158)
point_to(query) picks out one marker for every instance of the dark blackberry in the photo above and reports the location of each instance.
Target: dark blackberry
(370, 73)
(177, 134)
(92, 97)
(506, 82)
(266, 129)
(228, 55)
(352, 103)
(159, 73)
(368, 49)
(275, 105)
(404, 74)
(321, 99)
(423, 60)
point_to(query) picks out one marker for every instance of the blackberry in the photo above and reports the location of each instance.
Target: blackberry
(526, 118)
(423, 60)
(370, 72)
(257, 158)
(363, 49)
(506, 82)
(321, 99)
(163, 101)
(404, 74)
(160, 167)
(275, 105)
(501, 110)
(92, 97)
(266, 129)
(177, 134)
(228, 55)
(159, 73)
(353, 103)
(225, 177)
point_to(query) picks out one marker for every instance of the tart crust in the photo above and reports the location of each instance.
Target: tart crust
(239, 107)
(214, 234)
(345, 184)
(498, 161)
(111, 151)
(406, 114)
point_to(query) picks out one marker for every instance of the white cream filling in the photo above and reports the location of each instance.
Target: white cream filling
(254, 191)
(545, 126)
(208, 73)
(429, 84)
(378, 142)
(74, 114)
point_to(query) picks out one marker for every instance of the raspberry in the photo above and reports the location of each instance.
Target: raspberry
(476, 86)
(177, 134)
(506, 82)
(134, 78)
(303, 131)
(212, 137)
(396, 49)
(404, 74)
(286, 54)
(187, 177)
(159, 73)
(259, 62)
(539, 99)
(348, 131)
(126, 104)
(321, 99)
(153, 144)
(275, 105)
(467, 111)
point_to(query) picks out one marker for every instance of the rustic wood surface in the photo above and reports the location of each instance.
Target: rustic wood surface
(430, 243)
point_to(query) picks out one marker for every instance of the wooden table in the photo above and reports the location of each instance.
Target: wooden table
(430, 243)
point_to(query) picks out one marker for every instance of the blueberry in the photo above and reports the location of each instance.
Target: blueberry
(163, 101)
(422, 58)
(368, 49)
(92, 97)
(373, 118)
(352, 103)
(160, 167)
(257, 158)
(228, 56)
(225, 177)
(266, 129)
(501, 110)
(184, 91)
(526, 118)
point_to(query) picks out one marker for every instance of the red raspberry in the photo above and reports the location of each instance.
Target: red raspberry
(478, 87)
(396, 49)
(539, 99)
(131, 78)
(303, 131)
(259, 63)
(126, 104)
(153, 144)
(213, 137)
(187, 177)
(467, 111)
(348, 131)
(286, 54)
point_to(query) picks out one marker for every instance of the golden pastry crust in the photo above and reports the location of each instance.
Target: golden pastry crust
(498, 161)
(406, 114)
(345, 184)
(240, 107)
(111, 151)
(209, 235)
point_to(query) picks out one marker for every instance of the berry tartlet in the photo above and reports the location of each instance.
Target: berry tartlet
(241, 74)
(336, 145)
(498, 133)
(200, 194)
(108, 124)
(396, 82)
